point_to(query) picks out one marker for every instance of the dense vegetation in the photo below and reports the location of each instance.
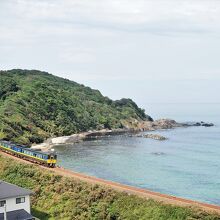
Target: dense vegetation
(57, 197)
(36, 105)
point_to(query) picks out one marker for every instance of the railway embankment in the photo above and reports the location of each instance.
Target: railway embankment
(76, 193)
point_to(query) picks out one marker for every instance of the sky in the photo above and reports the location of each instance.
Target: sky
(153, 51)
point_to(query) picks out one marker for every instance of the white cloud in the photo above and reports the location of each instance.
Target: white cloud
(77, 55)
(142, 15)
(113, 39)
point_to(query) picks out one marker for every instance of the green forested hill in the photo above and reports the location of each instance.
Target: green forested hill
(36, 105)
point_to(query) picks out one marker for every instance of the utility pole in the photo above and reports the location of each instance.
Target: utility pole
(5, 212)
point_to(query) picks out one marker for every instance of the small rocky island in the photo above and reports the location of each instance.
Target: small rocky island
(202, 123)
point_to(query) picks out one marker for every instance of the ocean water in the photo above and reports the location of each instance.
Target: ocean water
(186, 165)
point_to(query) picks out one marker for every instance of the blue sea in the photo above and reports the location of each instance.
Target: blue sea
(186, 165)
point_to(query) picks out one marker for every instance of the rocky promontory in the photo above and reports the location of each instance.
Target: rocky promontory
(131, 127)
(159, 124)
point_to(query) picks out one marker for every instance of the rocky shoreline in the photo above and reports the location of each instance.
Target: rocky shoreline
(76, 138)
(135, 126)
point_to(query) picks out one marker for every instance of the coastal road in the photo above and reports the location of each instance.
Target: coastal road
(128, 189)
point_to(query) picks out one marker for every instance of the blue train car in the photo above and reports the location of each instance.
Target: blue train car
(48, 159)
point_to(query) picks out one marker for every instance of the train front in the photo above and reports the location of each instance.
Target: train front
(52, 159)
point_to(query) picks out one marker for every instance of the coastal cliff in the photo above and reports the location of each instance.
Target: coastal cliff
(35, 106)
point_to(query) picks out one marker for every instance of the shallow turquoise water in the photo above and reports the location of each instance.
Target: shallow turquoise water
(186, 165)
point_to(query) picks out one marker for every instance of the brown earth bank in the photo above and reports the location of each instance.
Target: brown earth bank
(168, 199)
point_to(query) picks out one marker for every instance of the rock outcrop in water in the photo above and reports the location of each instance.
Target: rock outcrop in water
(204, 124)
(153, 136)
(158, 153)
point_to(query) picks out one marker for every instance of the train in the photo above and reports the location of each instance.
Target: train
(48, 159)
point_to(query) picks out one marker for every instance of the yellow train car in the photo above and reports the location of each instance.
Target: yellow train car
(47, 159)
